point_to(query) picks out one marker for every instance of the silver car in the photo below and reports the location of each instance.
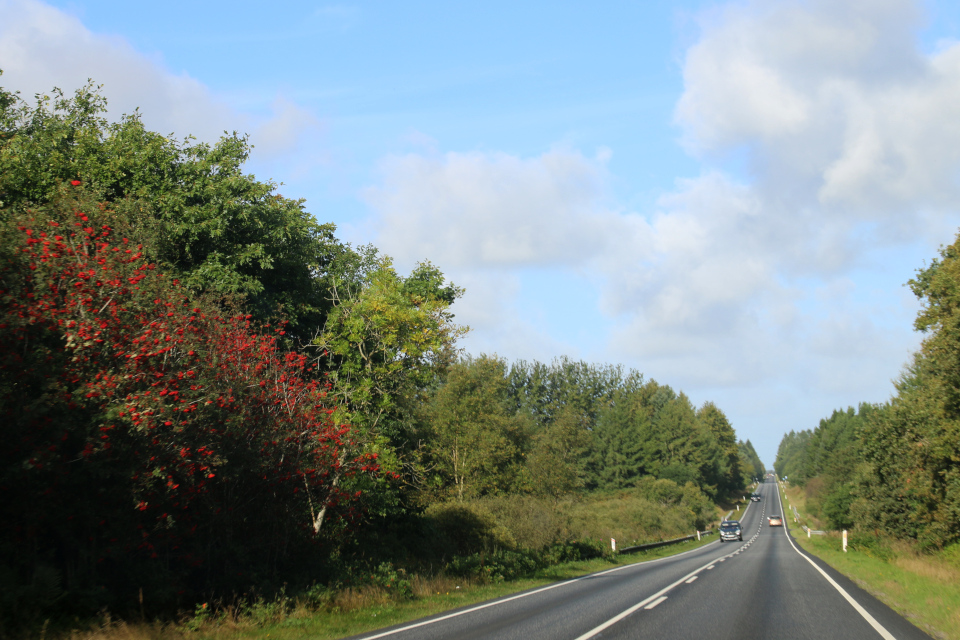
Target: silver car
(730, 530)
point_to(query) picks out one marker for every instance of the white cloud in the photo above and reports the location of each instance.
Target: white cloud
(42, 47)
(854, 154)
(494, 209)
(707, 248)
(491, 309)
(285, 129)
(839, 108)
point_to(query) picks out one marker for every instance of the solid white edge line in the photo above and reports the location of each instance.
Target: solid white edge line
(879, 628)
(528, 593)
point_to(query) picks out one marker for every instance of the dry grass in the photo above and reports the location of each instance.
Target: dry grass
(930, 567)
(352, 599)
(120, 630)
(231, 620)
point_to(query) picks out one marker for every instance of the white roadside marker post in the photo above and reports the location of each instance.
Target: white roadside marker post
(808, 532)
(613, 544)
(698, 535)
(844, 540)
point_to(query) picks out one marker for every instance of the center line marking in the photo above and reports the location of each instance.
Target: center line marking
(692, 579)
(655, 602)
(659, 597)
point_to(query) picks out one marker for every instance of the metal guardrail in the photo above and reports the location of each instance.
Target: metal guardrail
(662, 543)
(812, 531)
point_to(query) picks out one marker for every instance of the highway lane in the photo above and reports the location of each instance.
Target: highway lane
(760, 588)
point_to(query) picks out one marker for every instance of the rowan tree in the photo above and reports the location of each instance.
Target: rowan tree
(144, 425)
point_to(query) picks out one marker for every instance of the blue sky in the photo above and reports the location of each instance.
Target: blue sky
(726, 196)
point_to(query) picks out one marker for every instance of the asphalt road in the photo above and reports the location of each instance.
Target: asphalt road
(763, 587)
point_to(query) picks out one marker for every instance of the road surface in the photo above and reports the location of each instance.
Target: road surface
(763, 587)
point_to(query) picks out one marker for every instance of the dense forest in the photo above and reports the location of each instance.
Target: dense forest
(893, 469)
(204, 391)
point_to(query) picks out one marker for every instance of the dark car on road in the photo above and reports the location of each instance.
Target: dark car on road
(755, 497)
(730, 530)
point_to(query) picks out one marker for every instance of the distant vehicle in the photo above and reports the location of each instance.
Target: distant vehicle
(775, 521)
(755, 497)
(730, 530)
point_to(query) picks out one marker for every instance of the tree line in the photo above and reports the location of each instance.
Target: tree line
(893, 469)
(203, 389)
(552, 429)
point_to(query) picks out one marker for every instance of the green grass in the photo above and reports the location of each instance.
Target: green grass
(924, 588)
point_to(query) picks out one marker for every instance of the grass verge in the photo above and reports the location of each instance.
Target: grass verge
(924, 588)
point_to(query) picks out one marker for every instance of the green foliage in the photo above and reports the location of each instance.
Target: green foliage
(651, 510)
(545, 391)
(386, 338)
(836, 506)
(908, 471)
(474, 436)
(729, 472)
(533, 523)
(791, 456)
(651, 430)
(222, 231)
(506, 537)
(750, 463)
(459, 528)
(555, 465)
(579, 426)
(495, 566)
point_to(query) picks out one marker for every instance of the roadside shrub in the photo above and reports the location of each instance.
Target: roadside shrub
(532, 523)
(951, 554)
(391, 578)
(572, 551)
(836, 507)
(870, 545)
(496, 566)
(462, 529)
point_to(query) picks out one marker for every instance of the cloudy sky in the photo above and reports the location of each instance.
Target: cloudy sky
(727, 196)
